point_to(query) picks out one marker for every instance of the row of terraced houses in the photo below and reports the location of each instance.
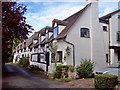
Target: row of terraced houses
(84, 35)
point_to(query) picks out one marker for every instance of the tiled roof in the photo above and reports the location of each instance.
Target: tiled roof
(68, 22)
(34, 36)
(110, 14)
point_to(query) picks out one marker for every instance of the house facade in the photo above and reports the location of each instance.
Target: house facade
(82, 35)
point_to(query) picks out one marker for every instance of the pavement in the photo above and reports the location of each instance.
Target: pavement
(18, 77)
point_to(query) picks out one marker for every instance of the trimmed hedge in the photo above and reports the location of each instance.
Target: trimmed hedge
(103, 81)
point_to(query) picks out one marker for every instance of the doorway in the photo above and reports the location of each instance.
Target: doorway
(118, 55)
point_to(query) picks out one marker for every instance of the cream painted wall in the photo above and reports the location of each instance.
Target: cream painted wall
(114, 27)
(60, 28)
(113, 30)
(88, 48)
(61, 46)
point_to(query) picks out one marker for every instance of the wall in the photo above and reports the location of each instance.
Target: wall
(88, 48)
(114, 27)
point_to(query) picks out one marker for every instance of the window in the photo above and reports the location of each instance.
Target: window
(24, 49)
(52, 57)
(59, 56)
(85, 32)
(55, 31)
(118, 36)
(104, 28)
(118, 16)
(47, 36)
(106, 58)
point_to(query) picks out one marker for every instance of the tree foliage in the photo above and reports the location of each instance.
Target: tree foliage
(13, 26)
(53, 50)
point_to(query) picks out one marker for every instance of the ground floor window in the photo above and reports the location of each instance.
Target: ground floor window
(34, 57)
(52, 58)
(58, 57)
(107, 58)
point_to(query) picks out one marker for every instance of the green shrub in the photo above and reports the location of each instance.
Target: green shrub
(34, 67)
(58, 71)
(71, 68)
(85, 69)
(61, 71)
(24, 62)
(103, 81)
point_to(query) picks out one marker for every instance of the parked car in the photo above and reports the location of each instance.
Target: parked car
(113, 69)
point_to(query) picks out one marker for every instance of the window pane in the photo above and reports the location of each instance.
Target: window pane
(59, 56)
(52, 58)
(55, 32)
(85, 32)
(104, 28)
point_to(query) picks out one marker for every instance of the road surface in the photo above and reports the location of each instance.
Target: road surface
(18, 77)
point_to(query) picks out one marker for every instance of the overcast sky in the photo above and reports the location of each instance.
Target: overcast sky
(40, 13)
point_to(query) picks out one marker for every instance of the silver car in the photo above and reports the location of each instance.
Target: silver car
(113, 69)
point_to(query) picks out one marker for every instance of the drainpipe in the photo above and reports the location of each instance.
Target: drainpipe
(73, 50)
(109, 41)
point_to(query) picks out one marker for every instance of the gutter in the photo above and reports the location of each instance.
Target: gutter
(73, 50)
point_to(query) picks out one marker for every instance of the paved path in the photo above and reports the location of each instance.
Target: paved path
(18, 77)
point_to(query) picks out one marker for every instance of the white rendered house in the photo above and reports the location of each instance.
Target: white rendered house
(83, 34)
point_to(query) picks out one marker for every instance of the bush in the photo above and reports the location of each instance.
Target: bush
(85, 69)
(61, 71)
(58, 71)
(24, 62)
(71, 68)
(103, 81)
(34, 67)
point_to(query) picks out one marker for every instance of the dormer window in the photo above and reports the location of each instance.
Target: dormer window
(47, 35)
(85, 32)
(55, 31)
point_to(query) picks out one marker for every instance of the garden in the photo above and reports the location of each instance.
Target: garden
(78, 77)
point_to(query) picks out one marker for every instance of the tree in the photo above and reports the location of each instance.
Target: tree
(13, 26)
(53, 50)
(16, 41)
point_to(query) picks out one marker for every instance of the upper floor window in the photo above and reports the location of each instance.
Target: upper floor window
(104, 28)
(118, 36)
(55, 31)
(85, 32)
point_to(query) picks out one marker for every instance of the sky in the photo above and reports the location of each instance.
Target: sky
(40, 13)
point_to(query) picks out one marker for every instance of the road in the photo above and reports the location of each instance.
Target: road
(18, 77)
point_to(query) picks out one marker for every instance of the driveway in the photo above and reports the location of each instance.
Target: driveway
(18, 77)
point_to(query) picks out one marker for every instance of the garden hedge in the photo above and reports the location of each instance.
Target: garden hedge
(105, 81)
